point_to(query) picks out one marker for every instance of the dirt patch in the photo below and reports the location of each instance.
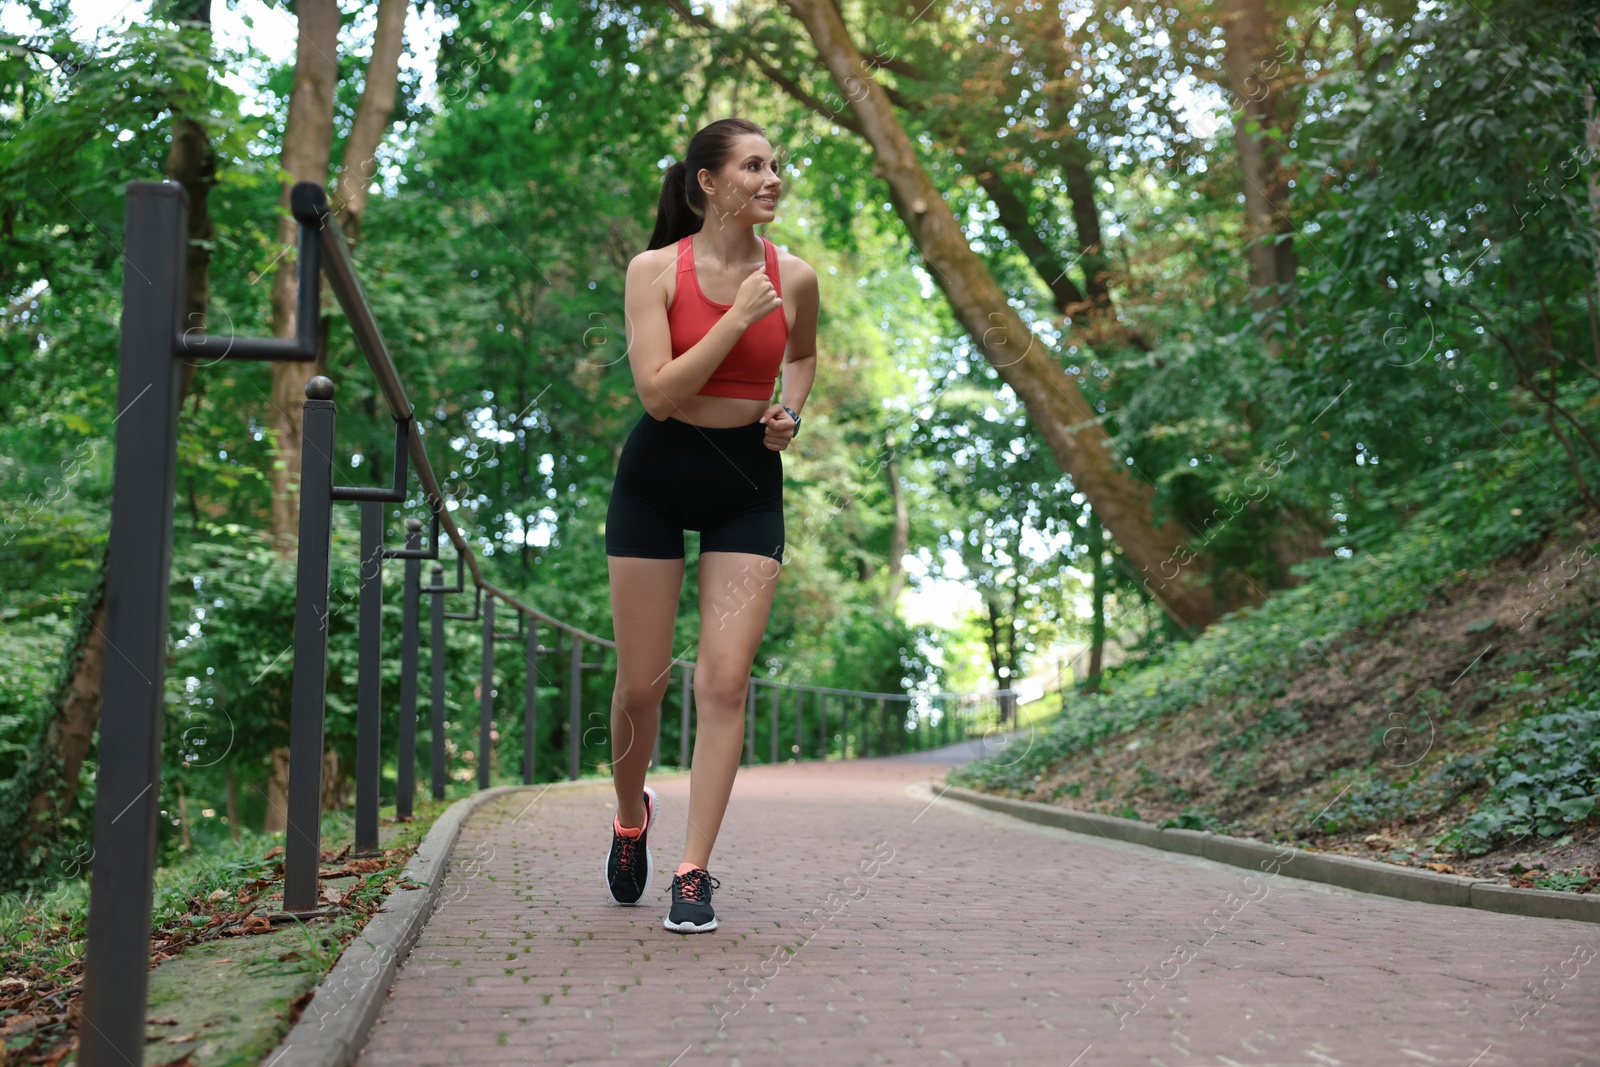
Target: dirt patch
(1377, 715)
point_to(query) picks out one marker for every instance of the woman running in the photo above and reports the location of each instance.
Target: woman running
(708, 331)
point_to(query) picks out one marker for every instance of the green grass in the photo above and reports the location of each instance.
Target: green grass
(43, 932)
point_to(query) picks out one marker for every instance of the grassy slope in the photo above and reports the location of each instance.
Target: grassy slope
(209, 900)
(1434, 703)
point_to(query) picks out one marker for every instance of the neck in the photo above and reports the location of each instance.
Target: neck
(728, 243)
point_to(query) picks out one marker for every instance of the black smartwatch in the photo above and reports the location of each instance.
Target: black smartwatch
(795, 415)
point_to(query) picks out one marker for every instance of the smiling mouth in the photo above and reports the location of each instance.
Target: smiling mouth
(770, 201)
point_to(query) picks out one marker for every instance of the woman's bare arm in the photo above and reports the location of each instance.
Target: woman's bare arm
(800, 355)
(665, 384)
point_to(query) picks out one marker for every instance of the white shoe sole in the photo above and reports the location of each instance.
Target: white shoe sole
(689, 928)
(649, 867)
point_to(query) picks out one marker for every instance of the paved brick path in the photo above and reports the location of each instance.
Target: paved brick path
(864, 924)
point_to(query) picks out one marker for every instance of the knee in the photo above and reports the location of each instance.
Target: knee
(718, 690)
(636, 696)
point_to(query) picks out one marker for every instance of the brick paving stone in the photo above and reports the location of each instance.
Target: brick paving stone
(973, 939)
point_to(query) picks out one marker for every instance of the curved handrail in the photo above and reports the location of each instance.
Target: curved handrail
(309, 202)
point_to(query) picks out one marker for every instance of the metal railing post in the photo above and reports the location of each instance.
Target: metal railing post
(844, 729)
(406, 754)
(683, 732)
(575, 708)
(127, 789)
(774, 725)
(369, 681)
(799, 724)
(436, 721)
(486, 702)
(530, 698)
(303, 842)
(822, 726)
(885, 741)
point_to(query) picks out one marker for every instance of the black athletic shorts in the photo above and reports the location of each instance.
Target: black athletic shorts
(674, 476)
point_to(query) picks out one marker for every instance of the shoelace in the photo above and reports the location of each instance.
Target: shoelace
(630, 845)
(626, 852)
(693, 885)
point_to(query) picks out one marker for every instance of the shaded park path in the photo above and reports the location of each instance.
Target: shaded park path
(865, 921)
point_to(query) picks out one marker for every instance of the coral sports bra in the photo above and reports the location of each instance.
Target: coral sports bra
(751, 367)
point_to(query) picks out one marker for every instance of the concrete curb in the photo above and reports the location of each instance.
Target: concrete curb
(333, 1028)
(1365, 876)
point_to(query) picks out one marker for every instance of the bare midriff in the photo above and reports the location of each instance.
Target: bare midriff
(720, 411)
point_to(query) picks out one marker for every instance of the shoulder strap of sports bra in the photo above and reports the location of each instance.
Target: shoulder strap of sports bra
(772, 266)
(685, 255)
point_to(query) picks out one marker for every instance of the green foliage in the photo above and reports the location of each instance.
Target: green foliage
(1194, 819)
(1544, 769)
(1426, 408)
(1248, 657)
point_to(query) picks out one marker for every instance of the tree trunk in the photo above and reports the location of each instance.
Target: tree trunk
(76, 715)
(372, 116)
(1057, 408)
(1097, 626)
(276, 820)
(71, 729)
(996, 656)
(307, 140)
(336, 785)
(1258, 99)
(193, 164)
(335, 789)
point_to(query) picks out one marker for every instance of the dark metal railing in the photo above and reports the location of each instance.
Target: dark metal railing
(116, 966)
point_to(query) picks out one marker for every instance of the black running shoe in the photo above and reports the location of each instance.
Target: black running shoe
(691, 903)
(628, 864)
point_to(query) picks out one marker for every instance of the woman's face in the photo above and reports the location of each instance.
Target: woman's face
(748, 185)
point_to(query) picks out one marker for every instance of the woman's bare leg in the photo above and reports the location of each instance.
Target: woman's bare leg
(644, 604)
(736, 591)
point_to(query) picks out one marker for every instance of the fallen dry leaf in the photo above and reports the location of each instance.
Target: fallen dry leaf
(61, 1053)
